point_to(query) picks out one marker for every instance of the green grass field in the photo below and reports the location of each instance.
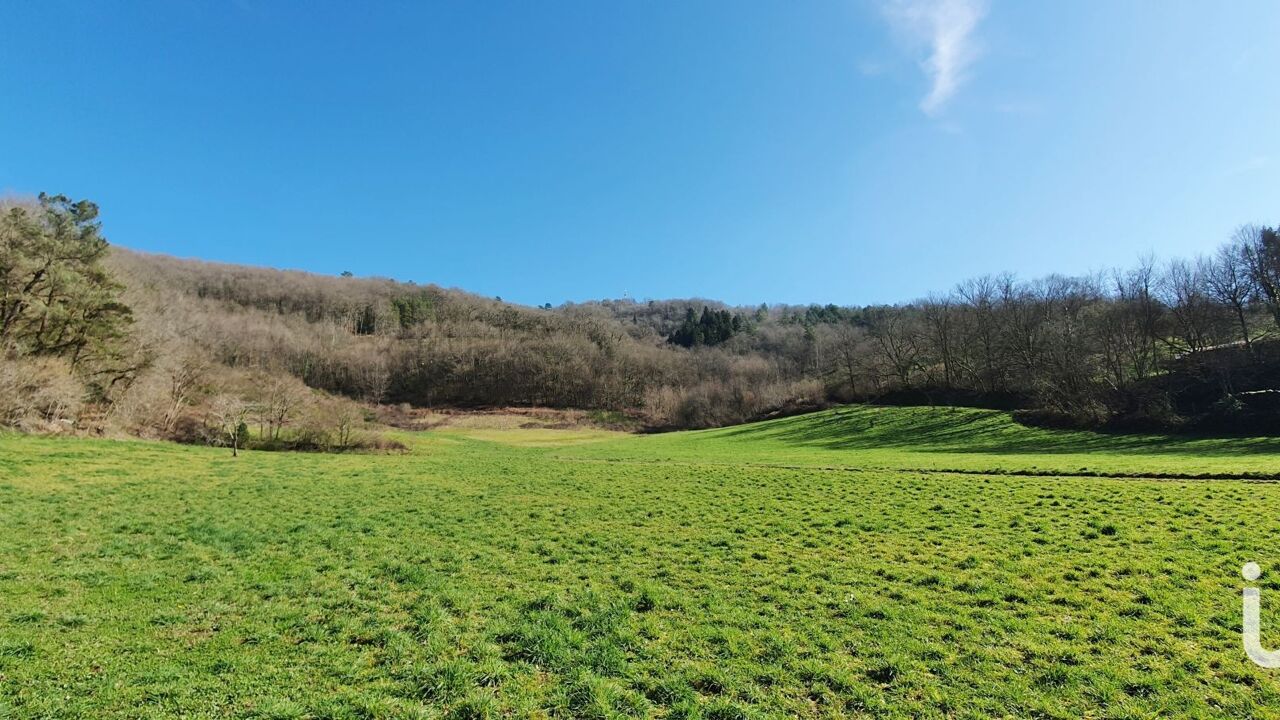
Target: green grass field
(859, 562)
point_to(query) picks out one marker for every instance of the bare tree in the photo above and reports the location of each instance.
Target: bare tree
(1024, 312)
(1131, 326)
(1229, 282)
(1261, 246)
(895, 340)
(938, 316)
(228, 414)
(282, 400)
(345, 417)
(1066, 377)
(848, 350)
(1195, 316)
(184, 375)
(981, 331)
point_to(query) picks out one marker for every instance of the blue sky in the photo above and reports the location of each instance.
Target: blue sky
(849, 152)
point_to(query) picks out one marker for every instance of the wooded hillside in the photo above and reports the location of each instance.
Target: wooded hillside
(158, 346)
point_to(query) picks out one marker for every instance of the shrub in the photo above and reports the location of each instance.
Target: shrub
(39, 393)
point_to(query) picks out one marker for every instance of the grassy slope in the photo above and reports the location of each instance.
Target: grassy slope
(861, 437)
(478, 576)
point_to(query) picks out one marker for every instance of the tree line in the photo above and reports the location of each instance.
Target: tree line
(1161, 343)
(107, 338)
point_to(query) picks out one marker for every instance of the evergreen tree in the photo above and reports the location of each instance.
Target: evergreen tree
(687, 334)
(712, 327)
(56, 299)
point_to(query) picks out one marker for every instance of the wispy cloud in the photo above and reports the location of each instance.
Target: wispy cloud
(947, 28)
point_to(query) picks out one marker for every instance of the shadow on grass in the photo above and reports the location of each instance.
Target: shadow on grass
(965, 430)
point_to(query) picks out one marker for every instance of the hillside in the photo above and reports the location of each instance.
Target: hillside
(378, 340)
(861, 438)
(103, 340)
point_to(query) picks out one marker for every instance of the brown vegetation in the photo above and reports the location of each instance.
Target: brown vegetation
(205, 352)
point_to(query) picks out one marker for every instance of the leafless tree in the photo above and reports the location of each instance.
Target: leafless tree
(938, 316)
(184, 375)
(1261, 249)
(281, 401)
(894, 335)
(345, 417)
(848, 351)
(1229, 282)
(228, 414)
(1195, 317)
(981, 331)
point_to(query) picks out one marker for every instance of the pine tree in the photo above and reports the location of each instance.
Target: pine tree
(712, 327)
(56, 299)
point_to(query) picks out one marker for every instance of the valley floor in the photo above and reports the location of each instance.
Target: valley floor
(858, 562)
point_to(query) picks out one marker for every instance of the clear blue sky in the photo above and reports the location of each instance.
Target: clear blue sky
(849, 152)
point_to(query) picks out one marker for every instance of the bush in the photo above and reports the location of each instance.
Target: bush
(39, 394)
(716, 403)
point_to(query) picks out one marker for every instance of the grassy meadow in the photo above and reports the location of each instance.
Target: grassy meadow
(862, 562)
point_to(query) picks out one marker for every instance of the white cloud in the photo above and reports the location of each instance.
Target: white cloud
(946, 27)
